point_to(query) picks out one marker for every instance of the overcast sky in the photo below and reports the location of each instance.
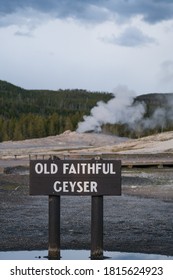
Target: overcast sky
(88, 44)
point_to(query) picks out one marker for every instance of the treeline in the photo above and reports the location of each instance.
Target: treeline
(28, 114)
(35, 126)
(38, 113)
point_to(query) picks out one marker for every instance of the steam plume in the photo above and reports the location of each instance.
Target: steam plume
(119, 109)
(122, 109)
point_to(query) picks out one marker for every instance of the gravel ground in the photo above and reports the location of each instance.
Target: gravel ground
(138, 221)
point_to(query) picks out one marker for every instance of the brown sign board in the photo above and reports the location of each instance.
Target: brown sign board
(75, 177)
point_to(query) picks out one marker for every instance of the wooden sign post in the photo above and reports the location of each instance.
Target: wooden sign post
(54, 227)
(95, 178)
(97, 227)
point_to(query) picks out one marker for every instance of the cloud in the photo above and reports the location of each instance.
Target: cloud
(23, 33)
(130, 37)
(152, 11)
(166, 71)
(27, 18)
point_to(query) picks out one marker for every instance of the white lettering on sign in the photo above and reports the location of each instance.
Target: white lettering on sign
(43, 168)
(88, 168)
(68, 186)
(79, 168)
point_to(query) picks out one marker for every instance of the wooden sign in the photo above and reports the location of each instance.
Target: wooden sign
(75, 177)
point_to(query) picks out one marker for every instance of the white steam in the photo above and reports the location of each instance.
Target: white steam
(122, 109)
(119, 109)
(158, 118)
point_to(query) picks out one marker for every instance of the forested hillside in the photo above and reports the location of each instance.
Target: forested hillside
(38, 113)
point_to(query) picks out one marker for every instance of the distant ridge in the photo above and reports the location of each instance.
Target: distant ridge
(29, 113)
(6, 86)
(156, 98)
(26, 114)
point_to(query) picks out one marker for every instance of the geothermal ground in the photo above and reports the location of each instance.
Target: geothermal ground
(80, 143)
(138, 221)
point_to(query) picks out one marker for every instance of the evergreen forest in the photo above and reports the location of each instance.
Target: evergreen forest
(26, 114)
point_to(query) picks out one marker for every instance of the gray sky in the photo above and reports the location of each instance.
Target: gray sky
(88, 44)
